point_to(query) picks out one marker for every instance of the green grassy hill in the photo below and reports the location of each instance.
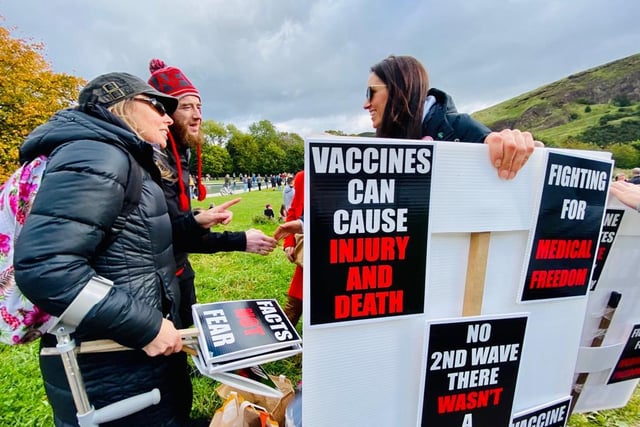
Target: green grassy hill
(599, 106)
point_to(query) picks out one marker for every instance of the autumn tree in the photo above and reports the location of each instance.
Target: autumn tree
(30, 93)
(268, 141)
(293, 146)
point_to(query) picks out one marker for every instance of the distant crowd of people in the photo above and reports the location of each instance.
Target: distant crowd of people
(244, 183)
(634, 179)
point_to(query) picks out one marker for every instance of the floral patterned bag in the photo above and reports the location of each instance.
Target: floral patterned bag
(20, 321)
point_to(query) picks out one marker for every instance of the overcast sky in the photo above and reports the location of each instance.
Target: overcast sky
(303, 65)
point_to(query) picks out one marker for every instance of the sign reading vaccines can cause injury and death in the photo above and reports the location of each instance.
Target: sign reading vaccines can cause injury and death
(369, 230)
(567, 231)
(471, 371)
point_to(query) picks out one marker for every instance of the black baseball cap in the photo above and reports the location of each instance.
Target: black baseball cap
(109, 89)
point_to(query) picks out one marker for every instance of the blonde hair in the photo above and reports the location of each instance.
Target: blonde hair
(122, 110)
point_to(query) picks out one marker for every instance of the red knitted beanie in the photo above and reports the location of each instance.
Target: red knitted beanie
(170, 80)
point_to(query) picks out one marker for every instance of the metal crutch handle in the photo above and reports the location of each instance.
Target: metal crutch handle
(125, 407)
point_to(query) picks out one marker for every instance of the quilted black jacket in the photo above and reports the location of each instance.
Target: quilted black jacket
(59, 250)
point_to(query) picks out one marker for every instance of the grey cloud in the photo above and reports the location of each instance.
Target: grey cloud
(304, 64)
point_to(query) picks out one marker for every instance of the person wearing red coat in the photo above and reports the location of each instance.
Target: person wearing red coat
(293, 307)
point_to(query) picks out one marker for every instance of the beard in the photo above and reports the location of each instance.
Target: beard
(181, 133)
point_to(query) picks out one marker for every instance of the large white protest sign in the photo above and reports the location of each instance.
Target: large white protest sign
(390, 226)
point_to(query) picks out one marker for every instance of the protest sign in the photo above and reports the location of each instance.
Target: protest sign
(362, 355)
(374, 219)
(563, 248)
(628, 366)
(471, 371)
(553, 414)
(612, 220)
(610, 367)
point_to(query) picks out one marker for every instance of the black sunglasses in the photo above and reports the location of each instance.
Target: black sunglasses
(157, 105)
(371, 92)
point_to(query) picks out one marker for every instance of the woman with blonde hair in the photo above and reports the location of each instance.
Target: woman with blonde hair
(67, 245)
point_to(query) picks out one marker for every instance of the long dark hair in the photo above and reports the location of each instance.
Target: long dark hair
(407, 84)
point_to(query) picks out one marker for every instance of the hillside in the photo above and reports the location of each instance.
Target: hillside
(599, 106)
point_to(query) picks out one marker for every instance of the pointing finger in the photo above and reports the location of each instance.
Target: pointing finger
(230, 203)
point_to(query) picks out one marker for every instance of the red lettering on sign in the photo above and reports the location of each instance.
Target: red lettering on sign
(367, 249)
(561, 249)
(541, 279)
(247, 319)
(369, 277)
(368, 304)
(470, 400)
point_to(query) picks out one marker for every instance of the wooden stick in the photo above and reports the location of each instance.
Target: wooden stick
(476, 273)
(189, 350)
(189, 337)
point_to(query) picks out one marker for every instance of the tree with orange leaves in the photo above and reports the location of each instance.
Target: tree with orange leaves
(30, 92)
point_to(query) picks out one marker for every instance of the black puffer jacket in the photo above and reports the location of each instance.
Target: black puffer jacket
(58, 252)
(444, 123)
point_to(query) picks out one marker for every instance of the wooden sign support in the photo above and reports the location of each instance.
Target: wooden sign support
(476, 273)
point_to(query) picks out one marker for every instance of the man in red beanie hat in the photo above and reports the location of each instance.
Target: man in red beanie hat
(191, 232)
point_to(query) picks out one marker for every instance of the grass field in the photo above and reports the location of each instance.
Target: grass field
(223, 276)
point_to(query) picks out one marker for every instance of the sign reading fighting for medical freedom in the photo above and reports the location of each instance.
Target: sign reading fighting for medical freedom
(566, 236)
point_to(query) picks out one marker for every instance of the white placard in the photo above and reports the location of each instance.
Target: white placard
(362, 373)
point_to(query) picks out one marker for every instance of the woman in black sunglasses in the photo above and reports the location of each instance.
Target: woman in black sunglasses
(80, 236)
(402, 105)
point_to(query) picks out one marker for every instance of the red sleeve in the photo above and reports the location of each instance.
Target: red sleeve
(297, 205)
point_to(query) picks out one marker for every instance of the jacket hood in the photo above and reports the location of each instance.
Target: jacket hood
(69, 125)
(443, 99)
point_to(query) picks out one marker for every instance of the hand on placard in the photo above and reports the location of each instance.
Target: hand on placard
(509, 150)
(167, 342)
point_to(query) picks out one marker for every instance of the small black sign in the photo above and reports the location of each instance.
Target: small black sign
(551, 415)
(368, 217)
(612, 220)
(566, 235)
(472, 370)
(628, 366)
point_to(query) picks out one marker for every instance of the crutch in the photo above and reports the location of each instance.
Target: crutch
(95, 290)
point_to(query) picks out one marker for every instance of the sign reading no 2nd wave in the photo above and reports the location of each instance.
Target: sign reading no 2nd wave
(368, 211)
(566, 237)
(471, 372)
